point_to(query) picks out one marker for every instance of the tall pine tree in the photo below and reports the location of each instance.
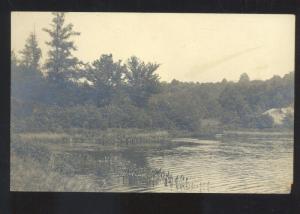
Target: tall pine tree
(31, 54)
(27, 79)
(60, 64)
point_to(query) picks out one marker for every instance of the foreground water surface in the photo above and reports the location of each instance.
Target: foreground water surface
(244, 165)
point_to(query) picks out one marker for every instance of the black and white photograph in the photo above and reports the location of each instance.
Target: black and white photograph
(152, 102)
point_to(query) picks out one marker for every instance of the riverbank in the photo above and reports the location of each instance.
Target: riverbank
(136, 137)
(103, 137)
(46, 161)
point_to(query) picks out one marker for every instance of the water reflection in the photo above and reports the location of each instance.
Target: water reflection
(243, 166)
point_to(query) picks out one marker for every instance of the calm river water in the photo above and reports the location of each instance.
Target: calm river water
(252, 165)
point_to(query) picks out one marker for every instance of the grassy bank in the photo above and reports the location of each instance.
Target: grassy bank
(133, 137)
(46, 161)
(28, 174)
(104, 137)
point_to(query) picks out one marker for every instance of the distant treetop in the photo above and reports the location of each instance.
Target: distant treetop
(244, 78)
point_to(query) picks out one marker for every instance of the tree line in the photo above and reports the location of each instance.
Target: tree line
(65, 92)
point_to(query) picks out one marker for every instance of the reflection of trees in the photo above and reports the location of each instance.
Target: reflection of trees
(136, 157)
(110, 168)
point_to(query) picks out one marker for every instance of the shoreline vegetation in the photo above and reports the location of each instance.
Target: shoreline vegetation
(138, 136)
(101, 137)
(38, 163)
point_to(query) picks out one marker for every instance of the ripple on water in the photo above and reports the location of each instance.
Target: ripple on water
(248, 166)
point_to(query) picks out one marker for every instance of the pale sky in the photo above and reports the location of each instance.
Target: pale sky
(189, 47)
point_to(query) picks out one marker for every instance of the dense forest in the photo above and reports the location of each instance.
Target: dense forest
(65, 93)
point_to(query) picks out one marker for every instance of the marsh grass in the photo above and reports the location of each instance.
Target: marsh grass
(27, 174)
(50, 161)
(43, 135)
(110, 136)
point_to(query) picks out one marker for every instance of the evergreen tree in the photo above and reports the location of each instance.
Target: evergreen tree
(13, 61)
(61, 64)
(27, 79)
(15, 73)
(31, 54)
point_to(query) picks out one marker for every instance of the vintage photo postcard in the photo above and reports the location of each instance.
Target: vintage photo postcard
(152, 102)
